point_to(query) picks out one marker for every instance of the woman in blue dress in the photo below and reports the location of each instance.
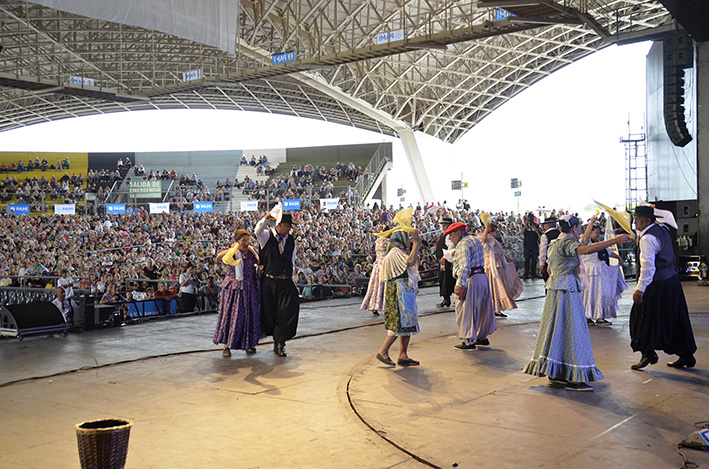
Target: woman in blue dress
(563, 350)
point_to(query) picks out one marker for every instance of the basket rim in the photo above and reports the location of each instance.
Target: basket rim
(127, 423)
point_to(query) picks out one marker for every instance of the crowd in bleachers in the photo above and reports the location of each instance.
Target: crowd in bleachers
(37, 190)
(34, 165)
(334, 248)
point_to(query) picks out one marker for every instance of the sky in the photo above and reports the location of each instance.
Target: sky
(560, 137)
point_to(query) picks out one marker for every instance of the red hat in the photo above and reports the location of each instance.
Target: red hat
(455, 227)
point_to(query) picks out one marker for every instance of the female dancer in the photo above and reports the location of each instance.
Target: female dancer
(239, 320)
(374, 299)
(563, 351)
(505, 285)
(400, 271)
(606, 282)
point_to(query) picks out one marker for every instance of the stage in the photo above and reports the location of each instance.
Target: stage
(330, 403)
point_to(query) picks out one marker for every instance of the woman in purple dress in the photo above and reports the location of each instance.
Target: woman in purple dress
(239, 320)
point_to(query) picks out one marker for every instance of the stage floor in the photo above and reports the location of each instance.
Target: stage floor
(330, 403)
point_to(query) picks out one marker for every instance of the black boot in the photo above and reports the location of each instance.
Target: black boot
(648, 358)
(280, 349)
(684, 360)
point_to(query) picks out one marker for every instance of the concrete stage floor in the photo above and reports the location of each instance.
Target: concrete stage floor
(330, 403)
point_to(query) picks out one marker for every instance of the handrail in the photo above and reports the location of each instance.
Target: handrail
(376, 164)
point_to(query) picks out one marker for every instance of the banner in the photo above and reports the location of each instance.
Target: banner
(162, 207)
(18, 209)
(329, 204)
(145, 189)
(116, 209)
(291, 204)
(64, 209)
(200, 207)
(249, 206)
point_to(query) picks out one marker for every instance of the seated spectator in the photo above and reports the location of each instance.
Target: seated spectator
(208, 295)
(65, 305)
(111, 295)
(163, 292)
(243, 160)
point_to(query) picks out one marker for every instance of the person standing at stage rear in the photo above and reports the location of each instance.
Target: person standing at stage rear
(551, 232)
(659, 319)
(474, 313)
(445, 268)
(280, 305)
(530, 231)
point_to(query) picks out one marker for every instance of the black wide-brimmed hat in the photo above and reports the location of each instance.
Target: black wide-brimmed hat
(446, 221)
(288, 219)
(646, 211)
(549, 220)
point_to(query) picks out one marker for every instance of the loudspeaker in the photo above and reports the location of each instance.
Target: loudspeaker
(39, 317)
(678, 54)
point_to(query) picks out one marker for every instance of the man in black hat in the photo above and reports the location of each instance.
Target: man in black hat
(659, 319)
(530, 231)
(550, 234)
(445, 272)
(280, 305)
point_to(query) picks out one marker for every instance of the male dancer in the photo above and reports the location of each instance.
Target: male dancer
(659, 319)
(550, 234)
(280, 306)
(445, 272)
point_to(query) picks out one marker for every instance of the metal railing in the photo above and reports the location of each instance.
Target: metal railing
(375, 166)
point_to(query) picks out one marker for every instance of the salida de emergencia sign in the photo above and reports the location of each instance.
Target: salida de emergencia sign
(145, 189)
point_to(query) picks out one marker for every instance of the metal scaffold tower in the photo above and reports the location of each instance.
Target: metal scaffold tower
(635, 168)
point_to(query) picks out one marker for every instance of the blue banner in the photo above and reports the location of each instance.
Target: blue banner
(18, 209)
(145, 308)
(200, 207)
(116, 209)
(291, 204)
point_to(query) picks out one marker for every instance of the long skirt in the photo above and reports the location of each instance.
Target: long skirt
(280, 308)
(400, 310)
(563, 349)
(374, 299)
(505, 286)
(606, 285)
(474, 315)
(239, 319)
(661, 321)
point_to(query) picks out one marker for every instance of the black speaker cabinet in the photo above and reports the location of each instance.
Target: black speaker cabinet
(39, 317)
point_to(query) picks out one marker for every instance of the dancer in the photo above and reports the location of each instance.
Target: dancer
(445, 270)
(280, 305)
(374, 299)
(505, 285)
(659, 319)
(473, 307)
(239, 319)
(563, 350)
(551, 232)
(606, 282)
(400, 271)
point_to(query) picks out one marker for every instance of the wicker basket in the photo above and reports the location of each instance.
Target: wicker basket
(103, 444)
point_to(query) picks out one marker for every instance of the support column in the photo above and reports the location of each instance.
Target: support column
(413, 155)
(703, 148)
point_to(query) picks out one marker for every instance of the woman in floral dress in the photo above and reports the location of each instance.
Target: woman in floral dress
(374, 299)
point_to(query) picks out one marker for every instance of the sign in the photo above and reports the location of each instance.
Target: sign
(518, 193)
(400, 192)
(291, 204)
(201, 207)
(81, 81)
(465, 184)
(455, 185)
(391, 36)
(162, 207)
(328, 204)
(116, 209)
(64, 209)
(18, 209)
(249, 205)
(192, 75)
(145, 189)
(514, 183)
(283, 57)
(501, 14)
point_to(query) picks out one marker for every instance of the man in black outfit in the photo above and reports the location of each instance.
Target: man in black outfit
(280, 305)
(550, 234)
(446, 283)
(531, 246)
(659, 319)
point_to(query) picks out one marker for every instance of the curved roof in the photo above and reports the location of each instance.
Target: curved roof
(441, 68)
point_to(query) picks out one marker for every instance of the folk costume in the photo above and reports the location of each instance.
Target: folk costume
(374, 299)
(445, 272)
(505, 285)
(239, 319)
(280, 303)
(605, 286)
